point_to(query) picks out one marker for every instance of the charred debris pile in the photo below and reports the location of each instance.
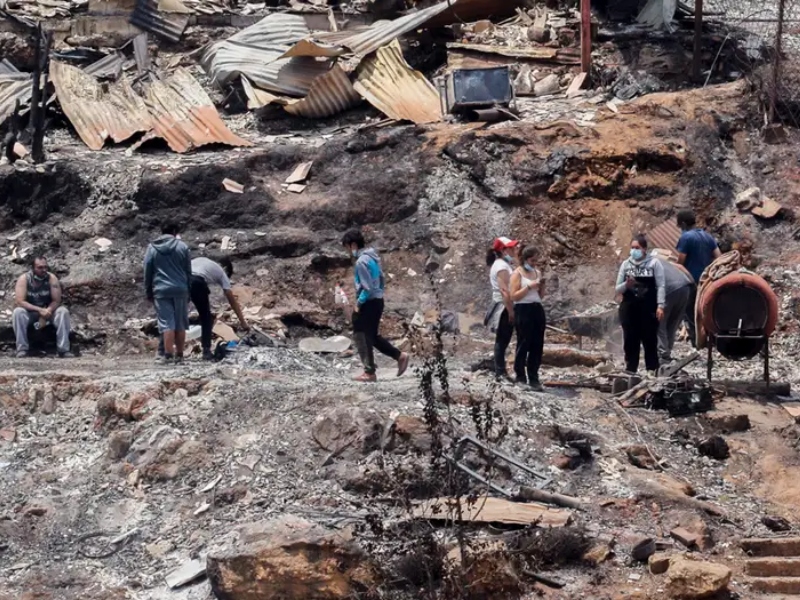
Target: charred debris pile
(165, 70)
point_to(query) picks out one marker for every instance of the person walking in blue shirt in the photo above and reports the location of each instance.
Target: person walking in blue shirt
(368, 309)
(696, 250)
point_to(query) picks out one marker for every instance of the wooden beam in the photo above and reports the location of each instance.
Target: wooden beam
(697, 59)
(586, 36)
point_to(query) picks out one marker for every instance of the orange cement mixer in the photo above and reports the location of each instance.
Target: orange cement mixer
(736, 314)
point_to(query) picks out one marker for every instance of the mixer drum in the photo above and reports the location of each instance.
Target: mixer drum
(739, 304)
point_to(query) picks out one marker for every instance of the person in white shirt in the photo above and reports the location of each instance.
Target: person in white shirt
(526, 291)
(500, 315)
(206, 272)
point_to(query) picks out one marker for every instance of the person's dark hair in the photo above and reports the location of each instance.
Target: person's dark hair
(170, 228)
(686, 219)
(354, 236)
(35, 258)
(227, 265)
(491, 256)
(641, 240)
(529, 252)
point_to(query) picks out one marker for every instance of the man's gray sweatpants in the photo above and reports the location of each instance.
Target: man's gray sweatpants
(674, 313)
(22, 318)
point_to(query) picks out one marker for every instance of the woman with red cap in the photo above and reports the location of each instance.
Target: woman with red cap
(500, 316)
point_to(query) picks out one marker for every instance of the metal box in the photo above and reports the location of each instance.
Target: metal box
(467, 89)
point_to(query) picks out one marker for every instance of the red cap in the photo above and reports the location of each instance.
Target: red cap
(502, 243)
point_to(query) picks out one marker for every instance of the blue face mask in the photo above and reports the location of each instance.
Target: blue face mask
(508, 259)
(529, 268)
(355, 253)
(637, 254)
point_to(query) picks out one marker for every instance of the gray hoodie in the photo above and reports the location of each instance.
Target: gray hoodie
(651, 270)
(368, 276)
(167, 268)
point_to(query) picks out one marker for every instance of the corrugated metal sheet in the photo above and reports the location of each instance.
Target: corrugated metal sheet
(330, 94)
(141, 53)
(472, 10)
(184, 115)
(257, 98)
(256, 51)
(170, 26)
(664, 236)
(390, 85)
(6, 68)
(98, 114)
(109, 67)
(364, 40)
(14, 89)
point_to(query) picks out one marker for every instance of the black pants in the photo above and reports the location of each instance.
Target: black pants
(201, 298)
(639, 330)
(366, 323)
(502, 338)
(690, 324)
(530, 321)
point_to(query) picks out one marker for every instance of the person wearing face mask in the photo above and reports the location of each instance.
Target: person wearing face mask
(642, 285)
(368, 309)
(37, 296)
(500, 315)
(526, 289)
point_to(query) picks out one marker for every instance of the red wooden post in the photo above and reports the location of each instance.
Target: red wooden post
(586, 36)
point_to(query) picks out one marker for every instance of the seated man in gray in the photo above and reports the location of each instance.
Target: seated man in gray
(37, 296)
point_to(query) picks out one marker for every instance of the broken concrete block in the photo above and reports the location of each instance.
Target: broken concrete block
(658, 563)
(186, 574)
(685, 537)
(769, 209)
(20, 150)
(8, 434)
(748, 199)
(598, 554)
(547, 86)
(695, 579)
(523, 85)
(287, 558)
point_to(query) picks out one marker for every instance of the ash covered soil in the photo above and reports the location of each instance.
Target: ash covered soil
(172, 461)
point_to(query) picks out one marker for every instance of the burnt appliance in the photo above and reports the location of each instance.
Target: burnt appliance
(466, 91)
(739, 313)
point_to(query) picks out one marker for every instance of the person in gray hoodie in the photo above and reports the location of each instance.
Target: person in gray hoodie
(167, 282)
(368, 309)
(641, 283)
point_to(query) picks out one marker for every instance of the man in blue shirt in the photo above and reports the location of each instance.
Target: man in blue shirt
(696, 250)
(368, 309)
